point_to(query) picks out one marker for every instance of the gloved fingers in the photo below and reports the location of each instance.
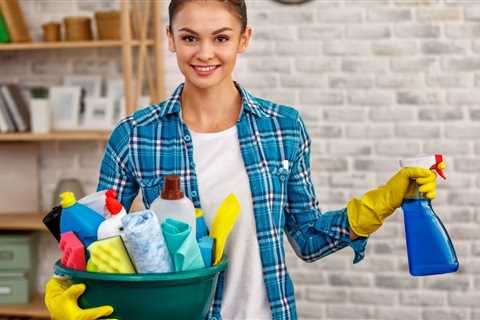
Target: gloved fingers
(54, 287)
(417, 172)
(431, 195)
(428, 187)
(95, 313)
(75, 291)
(429, 179)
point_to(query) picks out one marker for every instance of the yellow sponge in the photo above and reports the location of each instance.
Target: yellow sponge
(109, 255)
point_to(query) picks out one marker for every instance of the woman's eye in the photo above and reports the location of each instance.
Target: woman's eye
(188, 39)
(222, 38)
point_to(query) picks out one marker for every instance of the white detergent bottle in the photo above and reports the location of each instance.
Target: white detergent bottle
(173, 204)
(111, 227)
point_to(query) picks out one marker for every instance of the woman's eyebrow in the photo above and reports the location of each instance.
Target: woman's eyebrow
(213, 33)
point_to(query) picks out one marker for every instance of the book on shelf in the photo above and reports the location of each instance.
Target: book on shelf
(17, 106)
(6, 120)
(4, 36)
(15, 21)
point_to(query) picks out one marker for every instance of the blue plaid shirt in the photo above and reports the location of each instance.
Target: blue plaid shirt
(154, 142)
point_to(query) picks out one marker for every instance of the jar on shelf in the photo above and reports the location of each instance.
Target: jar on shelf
(108, 25)
(78, 29)
(52, 32)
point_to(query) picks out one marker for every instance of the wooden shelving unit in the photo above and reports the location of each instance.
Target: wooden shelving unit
(128, 45)
(69, 45)
(22, 221)
(56, 136)
(36, 309)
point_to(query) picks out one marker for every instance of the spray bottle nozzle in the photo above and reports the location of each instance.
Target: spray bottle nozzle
(435, 163)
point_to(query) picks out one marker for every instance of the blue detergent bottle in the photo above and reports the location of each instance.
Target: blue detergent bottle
(80, 219)
(430, 249)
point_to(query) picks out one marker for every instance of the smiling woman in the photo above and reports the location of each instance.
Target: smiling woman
(221, 139)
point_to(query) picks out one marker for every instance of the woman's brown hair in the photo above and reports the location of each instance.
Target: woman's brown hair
(238, 6)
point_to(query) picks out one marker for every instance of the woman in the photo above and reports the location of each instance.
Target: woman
(221, 139)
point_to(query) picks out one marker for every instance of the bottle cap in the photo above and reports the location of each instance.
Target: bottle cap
(113, 206)
(171, 188)
(111, 193)
(67, 199)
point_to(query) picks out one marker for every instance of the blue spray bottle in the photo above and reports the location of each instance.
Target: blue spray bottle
(430, 249)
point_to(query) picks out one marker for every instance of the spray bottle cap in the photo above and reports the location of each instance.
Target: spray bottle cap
(113, 206)
(432, 162)
(111, 193)
(171, 188)
(67, 199)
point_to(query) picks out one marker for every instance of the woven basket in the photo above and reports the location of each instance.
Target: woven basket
(52, 32)
(78, 29)
(108, 25)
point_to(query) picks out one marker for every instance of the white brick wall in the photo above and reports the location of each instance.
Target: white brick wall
(375, 80)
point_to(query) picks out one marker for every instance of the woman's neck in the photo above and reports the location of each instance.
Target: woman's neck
(212, 109)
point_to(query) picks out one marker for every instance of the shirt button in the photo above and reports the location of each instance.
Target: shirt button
(186, 137)
(194, 193)
(282, 177)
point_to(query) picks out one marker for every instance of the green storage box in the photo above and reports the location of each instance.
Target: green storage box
(17, 251)
(15, 288)
(180, 295)
(4, 36)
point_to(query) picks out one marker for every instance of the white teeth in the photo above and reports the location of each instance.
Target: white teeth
(205, 69)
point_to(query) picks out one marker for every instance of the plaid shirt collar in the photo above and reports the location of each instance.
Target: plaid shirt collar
(249, 103)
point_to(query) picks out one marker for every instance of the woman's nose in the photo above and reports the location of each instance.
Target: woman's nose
(206, 51)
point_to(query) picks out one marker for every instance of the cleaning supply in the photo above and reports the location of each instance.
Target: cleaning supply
(52, 221)
(61, 301)
(366, 215)
(96, 201)
(111, 226)
(173, 204)
(145, 243)
(168, 296)
(73, 251)
(202, 229)
(109, 255)
(79, 218)
(223, 222)
(182, 245)
(430, 249)
(206, 245)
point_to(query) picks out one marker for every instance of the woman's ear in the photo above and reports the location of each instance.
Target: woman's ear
(171, 42)
(245, 39)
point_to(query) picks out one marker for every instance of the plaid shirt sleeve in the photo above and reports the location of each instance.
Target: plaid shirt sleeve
(116, 170)
(311, 233)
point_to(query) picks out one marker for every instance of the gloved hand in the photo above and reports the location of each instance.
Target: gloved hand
(61, 301)
(367, 214)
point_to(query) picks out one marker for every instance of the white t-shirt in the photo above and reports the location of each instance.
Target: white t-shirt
(220, 171)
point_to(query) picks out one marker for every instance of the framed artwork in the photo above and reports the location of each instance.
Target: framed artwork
(98, 113)
(65, 107)
(91, 84)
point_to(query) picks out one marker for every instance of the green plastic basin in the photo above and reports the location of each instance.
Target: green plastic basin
(178, 295)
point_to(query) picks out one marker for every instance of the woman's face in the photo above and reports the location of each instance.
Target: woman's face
(206, 39)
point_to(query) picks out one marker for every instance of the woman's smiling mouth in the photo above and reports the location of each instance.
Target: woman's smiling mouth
(204, 71)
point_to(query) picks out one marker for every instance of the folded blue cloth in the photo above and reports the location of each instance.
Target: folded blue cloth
(182, 245)
(206, 248)
(145, 243)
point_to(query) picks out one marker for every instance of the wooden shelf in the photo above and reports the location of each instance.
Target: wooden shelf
(35, 309)
(22, 221)
(56, 136)
(68, 45)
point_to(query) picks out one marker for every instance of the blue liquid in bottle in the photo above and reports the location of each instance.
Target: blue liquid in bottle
(430, 249)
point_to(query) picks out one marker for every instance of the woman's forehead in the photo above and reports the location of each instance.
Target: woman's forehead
(205, 17)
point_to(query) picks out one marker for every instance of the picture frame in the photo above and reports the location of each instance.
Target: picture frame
(64, 102)
(98, 113)
(91, 84)
(115, 90)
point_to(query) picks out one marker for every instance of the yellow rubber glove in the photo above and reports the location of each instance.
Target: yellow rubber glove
(367, 214)
(61, 301)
